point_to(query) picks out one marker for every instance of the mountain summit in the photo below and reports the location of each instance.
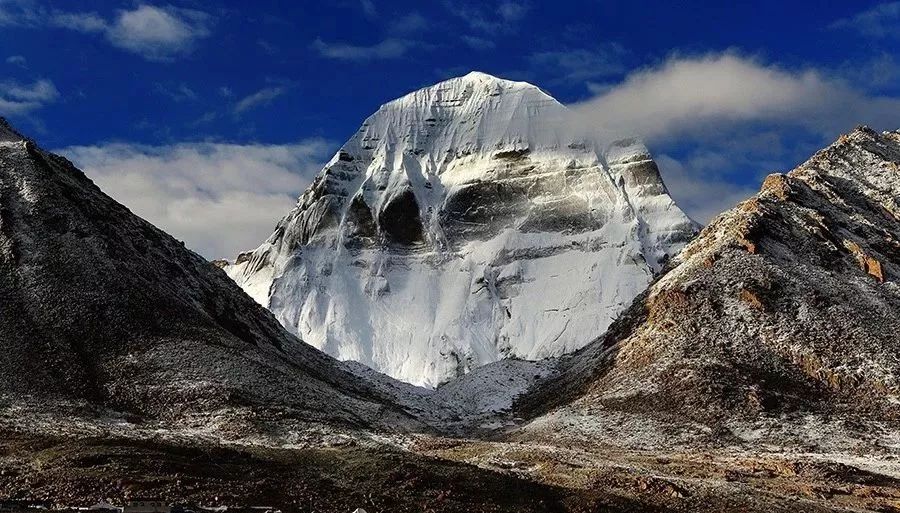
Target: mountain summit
(465, 223)
(8, 133)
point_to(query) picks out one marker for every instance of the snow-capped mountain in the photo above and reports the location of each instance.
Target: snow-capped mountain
(465, 223)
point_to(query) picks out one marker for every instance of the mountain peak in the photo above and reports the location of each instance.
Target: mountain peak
(481, 77)
(866, 149)
(461, 116)
(444, 221)
(8, 133)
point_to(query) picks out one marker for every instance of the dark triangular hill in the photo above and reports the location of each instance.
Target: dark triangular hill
(100, 307)
(786, 304)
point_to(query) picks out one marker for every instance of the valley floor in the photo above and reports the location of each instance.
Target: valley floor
(427, 473)
(67, 472)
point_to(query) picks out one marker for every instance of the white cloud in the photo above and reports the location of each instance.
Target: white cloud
(262, 97)
(690, 95)
(158, 33)
(18, 99)
(155, 33)
(387, 49)
(219, 198)
(881, 21)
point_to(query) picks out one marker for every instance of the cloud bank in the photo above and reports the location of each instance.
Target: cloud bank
(690, 95)
(219, 198)
(719, 122)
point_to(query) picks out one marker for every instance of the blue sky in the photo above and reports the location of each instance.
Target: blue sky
(208, 118)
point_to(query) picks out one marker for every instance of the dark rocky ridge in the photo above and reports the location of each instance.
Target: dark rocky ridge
(99, 306)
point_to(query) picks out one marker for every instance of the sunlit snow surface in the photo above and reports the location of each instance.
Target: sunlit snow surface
(462, 224)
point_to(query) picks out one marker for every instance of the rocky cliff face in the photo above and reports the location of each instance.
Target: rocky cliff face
(783, 306)
(100, 308)
(463, 224)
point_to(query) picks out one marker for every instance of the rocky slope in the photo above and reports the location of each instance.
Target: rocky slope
(784, 308)
(462, 224)
(99, 308)
(133, 368)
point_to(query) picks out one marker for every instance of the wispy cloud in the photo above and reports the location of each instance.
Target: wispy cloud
(409, 23)
(19, 13)
(881, 71)
(267, 47)
(262, 97)
(177, 92)
(881, 21)
(368, 8)
(153, 32)
(512, 12)
(17, 60)
(218, 198)
(478, 43)
(489, 17)
(87, 22)
(387, 49)
(17, 99)
(581, 64)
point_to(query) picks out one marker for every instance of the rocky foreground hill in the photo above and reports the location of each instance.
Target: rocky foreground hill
(101, 308)
(758, 373)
